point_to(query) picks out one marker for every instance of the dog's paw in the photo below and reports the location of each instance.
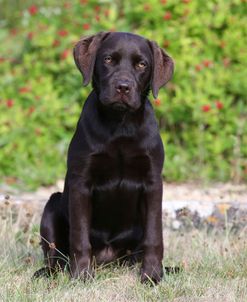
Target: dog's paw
(83, 273)
(44, 272)
(151, 274)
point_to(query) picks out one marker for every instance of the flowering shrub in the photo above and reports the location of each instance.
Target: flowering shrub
(202, 112)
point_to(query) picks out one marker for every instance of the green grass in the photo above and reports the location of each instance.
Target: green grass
(214, 269)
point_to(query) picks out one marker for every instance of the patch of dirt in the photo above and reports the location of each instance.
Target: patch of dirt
(218, 192)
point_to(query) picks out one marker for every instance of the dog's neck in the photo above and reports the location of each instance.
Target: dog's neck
(120, 123)
(119, 116)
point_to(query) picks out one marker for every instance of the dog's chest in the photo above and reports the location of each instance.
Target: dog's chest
(119, 165)
(118, 177)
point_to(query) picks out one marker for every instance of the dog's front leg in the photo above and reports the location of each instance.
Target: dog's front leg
(80, 218)
(153, 240)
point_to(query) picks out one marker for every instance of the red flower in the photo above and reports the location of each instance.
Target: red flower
(167, 16)
(163, 1)
(56, 43)
(107, 12)
(186, 12)
(83, 1)
(97, 8)
(43, 26)
(222, 44)
(206, 108)
(9, 103)
(157, 102)
(63, 32)
(86, 26)
(219, 105)
(24, 90)
(2, 60)
(33, 10)
(38, 132)
(97, 18)
(198, 67)
(147, 7)
(13, 31)
(166, 43)
(31, 110)
(186, 1)
(65, 54)
(30, 35)
(226, 62)
(67, 5)
(207, 63)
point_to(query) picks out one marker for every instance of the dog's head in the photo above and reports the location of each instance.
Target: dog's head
(123, 66)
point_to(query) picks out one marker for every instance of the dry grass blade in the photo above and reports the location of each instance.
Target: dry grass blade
(214, 268)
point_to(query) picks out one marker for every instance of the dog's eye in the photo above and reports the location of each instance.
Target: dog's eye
(141, 65)
(108, 59)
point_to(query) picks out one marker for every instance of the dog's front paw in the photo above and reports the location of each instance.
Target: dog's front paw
(82, 274)
(151, 274)
(81, 271)
(44, 272)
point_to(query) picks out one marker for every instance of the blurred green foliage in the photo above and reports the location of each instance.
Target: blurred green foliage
(202, 112)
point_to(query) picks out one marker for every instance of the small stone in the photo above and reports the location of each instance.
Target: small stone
(176, 224)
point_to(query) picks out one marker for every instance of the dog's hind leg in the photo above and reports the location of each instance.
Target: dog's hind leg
(54, 233)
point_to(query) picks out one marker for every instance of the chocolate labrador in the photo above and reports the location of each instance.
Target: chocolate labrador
(111, 206)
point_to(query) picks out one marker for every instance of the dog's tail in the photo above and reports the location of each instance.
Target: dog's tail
(51, 206)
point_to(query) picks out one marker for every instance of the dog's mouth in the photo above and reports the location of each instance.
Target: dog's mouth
(119, 103)
(120, 106)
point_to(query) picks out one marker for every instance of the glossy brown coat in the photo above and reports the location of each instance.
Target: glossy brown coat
(111, 206)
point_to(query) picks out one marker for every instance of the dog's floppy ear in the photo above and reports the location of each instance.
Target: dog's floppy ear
(85, 54)
(162, 68)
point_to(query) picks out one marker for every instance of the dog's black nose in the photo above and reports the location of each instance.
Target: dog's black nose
(123, 87)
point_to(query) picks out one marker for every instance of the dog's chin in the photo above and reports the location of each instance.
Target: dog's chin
(119, 105)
